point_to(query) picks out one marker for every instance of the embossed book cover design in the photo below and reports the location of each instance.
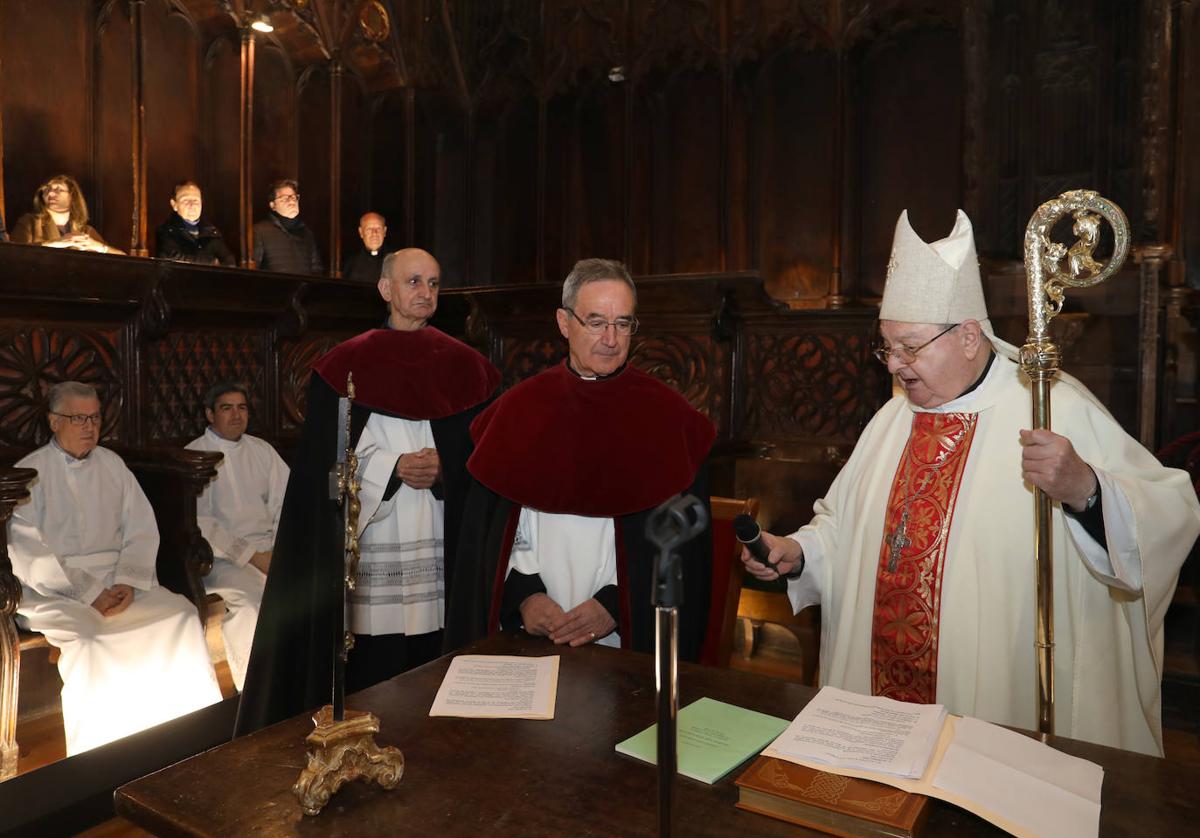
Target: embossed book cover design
(829, 802)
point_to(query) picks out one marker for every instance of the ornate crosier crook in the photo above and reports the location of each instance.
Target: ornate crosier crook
(1048, 280)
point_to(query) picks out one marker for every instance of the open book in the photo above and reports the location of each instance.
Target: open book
(1017, 783)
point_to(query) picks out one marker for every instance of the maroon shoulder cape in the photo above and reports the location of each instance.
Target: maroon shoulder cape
(558, 443)
(425, 374)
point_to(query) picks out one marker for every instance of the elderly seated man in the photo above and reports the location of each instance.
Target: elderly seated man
(238, 514)
(60, 219)
(84, 547)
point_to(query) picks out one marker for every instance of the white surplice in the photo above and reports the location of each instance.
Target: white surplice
(238, 514)
(87, 526)
(1108, 605)
(400, 585)
(574, 555)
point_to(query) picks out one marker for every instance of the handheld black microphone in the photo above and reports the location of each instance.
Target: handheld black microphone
(747, 531)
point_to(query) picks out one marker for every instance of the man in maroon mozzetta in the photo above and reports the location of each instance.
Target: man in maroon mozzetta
(567, 467)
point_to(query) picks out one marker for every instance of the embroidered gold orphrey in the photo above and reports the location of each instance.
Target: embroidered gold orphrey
(908, 580)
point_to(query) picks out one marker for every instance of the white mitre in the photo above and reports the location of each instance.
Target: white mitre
(936, 282)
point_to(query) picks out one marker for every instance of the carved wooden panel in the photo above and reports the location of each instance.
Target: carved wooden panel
(46, 127)
(173, 116)
(34, 358)
(911, 88)
(221, 125)
(524, 358)
(794, 172)
(669, 34)
(295, 364)
(275, 122)
(812, 386)
(179, 368)
(695, 365)
(312, 119)
(111, 201)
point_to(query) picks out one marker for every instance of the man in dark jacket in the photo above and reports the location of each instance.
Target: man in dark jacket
(188, 237)
(282, 242)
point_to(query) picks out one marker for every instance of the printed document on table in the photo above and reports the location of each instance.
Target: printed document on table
(870, 733)
(498, 687)
(1043, 791)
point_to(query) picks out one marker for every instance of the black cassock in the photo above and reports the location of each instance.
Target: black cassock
(412, 375)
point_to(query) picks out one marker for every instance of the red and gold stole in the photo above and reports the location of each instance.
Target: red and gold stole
(908, 582)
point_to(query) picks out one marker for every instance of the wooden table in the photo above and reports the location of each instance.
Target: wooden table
(560, 777)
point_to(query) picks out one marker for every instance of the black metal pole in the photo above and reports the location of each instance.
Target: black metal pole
(673, 524)
(666, 644)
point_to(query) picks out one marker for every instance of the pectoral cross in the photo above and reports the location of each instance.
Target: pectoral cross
(897, 541)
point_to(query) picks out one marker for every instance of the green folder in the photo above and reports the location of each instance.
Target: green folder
(713, 738)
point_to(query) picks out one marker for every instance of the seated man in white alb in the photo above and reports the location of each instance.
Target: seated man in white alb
(238, 514)
(84, 547)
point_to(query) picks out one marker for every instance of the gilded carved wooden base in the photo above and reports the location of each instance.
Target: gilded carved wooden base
(343, 751)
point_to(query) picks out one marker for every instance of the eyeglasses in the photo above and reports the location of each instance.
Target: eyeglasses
(80, 419)
(56, 187)
(287, 199)
(623, 326)
(905, 354)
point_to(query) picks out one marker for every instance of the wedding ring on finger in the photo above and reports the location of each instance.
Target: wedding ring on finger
(592, 635)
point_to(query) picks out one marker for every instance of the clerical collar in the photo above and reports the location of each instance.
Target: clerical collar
(986, 369)
(71, 458)
(374, 253)
(612, 374)
(964, 402)
(222, 441)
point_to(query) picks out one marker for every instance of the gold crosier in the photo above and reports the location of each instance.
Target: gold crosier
(342, 747)
(1048, 278)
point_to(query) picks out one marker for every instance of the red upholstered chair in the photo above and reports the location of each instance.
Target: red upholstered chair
(726, 580)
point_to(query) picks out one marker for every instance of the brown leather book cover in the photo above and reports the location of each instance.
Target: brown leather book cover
(830, 803)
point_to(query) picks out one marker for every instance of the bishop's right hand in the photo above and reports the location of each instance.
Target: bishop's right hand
(784, 557)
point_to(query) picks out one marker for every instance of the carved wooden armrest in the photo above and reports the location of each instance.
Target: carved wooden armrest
(173, 479)
(14, 488)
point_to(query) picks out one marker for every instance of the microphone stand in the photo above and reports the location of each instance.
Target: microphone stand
(673, 524)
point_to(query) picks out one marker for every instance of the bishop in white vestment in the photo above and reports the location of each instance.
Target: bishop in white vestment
(84, 546)
(238, 514)
(921, 553)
